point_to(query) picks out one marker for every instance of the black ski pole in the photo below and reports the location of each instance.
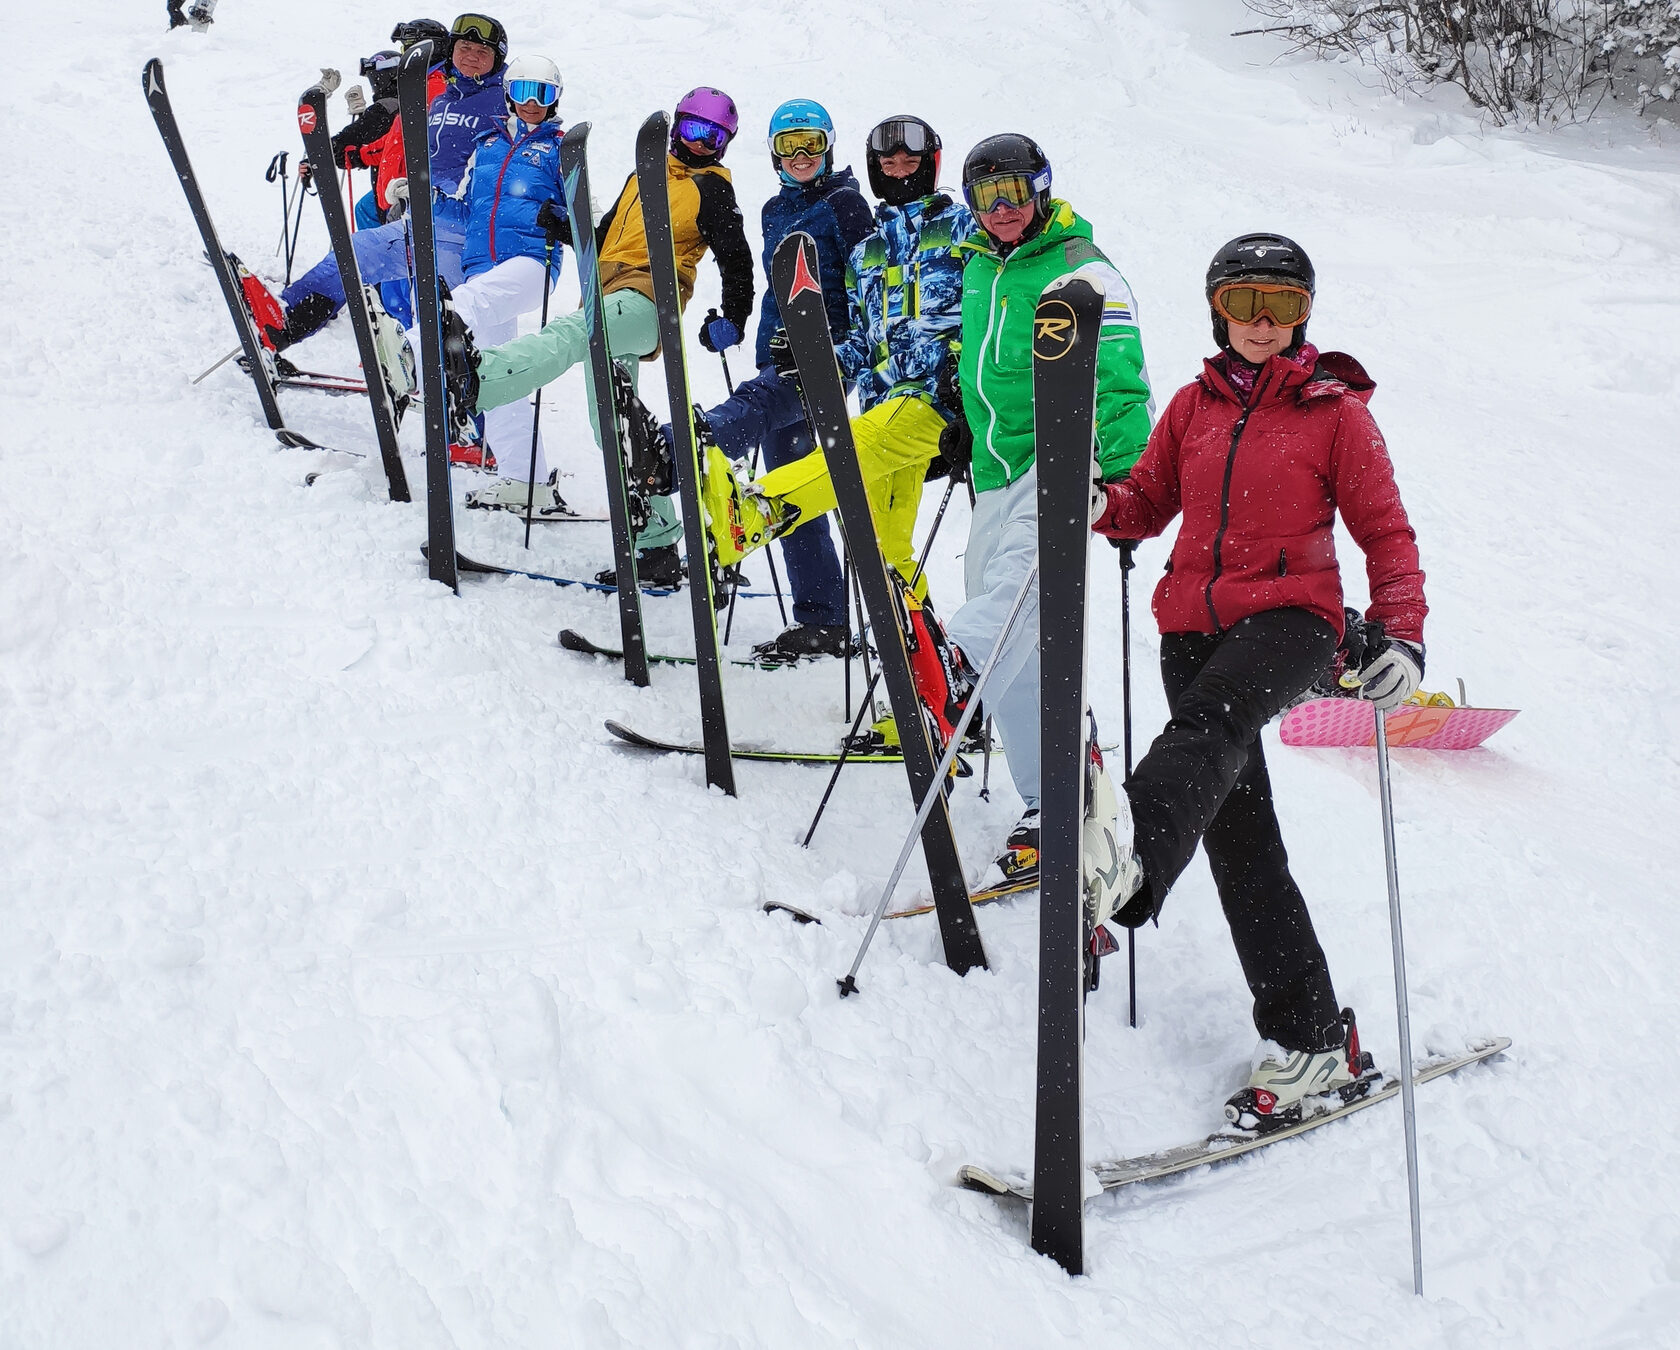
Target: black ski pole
(846, 586)
(734, 573)
(869, 693)
(1126, 739)
(303, 189)
(536, 412)
(277, 173)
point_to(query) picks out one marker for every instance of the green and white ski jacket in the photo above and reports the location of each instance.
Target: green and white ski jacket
(999, 297)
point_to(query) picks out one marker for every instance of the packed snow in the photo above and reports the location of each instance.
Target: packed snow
(357, 990)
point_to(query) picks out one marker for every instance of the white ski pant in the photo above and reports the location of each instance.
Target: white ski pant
(490, 304)
(1002, 548)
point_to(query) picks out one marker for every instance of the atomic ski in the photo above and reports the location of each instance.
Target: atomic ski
(652, 149)
(1222, 1146)
(387, 407)
(256, 362)
(793, 271)
(574, 172)
(1066, 327)
(642, 742)
(440, 505)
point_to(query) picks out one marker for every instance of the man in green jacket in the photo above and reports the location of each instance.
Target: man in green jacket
(1028, 239)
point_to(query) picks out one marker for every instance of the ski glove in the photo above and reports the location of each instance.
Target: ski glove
(716, 334)
(956, 445)
(355, 100)
(551, 220)
(396, 191)
(1391, 674)
(330, 80)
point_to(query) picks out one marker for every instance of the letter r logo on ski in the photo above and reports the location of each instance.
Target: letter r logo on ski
(306, 118)
(802, 279)
(1055, 329)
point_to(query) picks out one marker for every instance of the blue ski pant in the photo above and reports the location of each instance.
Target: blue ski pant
(766, 412)
(381, 256)
(395, 296)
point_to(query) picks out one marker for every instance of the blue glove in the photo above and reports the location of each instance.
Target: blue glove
(716, 334)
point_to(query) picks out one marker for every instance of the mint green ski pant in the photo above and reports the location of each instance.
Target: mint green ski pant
(515, 369)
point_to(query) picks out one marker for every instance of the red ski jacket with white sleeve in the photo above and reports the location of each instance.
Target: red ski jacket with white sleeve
(1259, 482)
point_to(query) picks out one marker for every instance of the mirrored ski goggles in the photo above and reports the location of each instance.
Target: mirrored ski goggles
(901, 133)
(1244, 302)
(374, 65)
(528, 91)
(812, 142)
(985, 195)
(475, 28)
(701, 132)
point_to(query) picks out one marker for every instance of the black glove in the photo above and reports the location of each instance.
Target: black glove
(781, 356)
(305, 170)
(551, 220)
(956, 446)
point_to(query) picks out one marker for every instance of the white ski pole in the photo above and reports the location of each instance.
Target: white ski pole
(849, 984)
(1401, 1009)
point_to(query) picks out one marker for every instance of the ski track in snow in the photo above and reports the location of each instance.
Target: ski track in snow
(357, 991)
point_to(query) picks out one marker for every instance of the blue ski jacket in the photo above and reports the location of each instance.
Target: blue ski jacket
(513, 170)
(457, 117)
(833, 212)
(905, 286)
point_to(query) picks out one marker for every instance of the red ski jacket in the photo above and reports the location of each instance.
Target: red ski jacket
(386, 157)
(1259, 485)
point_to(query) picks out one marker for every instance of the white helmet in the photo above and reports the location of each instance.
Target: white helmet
(532, 71)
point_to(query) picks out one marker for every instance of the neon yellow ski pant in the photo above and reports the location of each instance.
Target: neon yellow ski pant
(895, 441)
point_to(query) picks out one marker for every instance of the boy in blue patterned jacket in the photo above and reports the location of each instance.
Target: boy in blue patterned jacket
(905, 286)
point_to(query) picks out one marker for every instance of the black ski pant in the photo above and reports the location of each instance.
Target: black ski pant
(1204, 778)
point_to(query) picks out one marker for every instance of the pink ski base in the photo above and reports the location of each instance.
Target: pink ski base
(1351, 721)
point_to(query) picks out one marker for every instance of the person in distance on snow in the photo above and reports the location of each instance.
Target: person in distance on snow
(509, 209)
(704, 215)
(766, 410)
(903, 290)
(1257, 454)
(471, 103)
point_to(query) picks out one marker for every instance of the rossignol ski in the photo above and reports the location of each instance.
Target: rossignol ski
(574, 173)
(257, 358)
(652, 149)
(1066, 327)
(440, 505)
(793, 272)
(317, 143)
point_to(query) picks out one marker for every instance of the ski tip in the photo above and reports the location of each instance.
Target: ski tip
(972, 1178)
(801, 916)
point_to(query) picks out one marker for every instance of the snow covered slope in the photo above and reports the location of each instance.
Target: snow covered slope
(354, 991)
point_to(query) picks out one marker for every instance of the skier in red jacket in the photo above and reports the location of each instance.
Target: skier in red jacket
(1258, 454)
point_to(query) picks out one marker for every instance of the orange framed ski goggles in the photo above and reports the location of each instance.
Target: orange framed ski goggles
(1245, 301)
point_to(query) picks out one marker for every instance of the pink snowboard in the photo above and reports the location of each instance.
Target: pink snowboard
(1351, 721)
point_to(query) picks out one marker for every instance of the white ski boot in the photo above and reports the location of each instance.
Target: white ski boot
(509, 494)
(1286, 1086)
(1111, 870)
(396, 357)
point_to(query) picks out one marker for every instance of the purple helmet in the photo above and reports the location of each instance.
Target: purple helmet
(713, 105)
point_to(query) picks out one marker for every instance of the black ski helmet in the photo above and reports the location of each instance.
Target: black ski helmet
(1012, 153)
(894, 134)
(380, 71)
(410, 31)
(485, 31)
(1259, 257)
